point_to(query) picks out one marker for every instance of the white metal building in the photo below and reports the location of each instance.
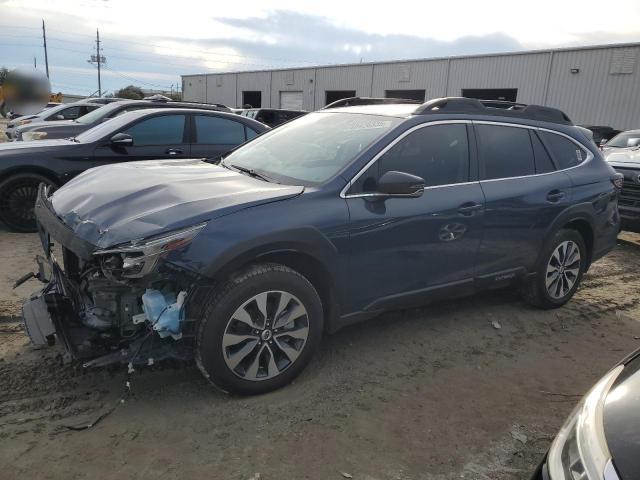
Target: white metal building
(596, 85)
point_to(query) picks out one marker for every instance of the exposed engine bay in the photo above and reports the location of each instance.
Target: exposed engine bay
(101, 315)
(123, 304)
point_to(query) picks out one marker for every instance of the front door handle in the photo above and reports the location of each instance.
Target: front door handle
(554, 196)
(467, 209)
(173, 151)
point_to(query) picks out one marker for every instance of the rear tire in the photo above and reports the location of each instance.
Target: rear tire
(18, 195)
(559, 271)
(260, 330)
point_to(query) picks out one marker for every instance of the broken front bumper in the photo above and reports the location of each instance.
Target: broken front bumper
(37, 320)
(51, 312)
(66, 309)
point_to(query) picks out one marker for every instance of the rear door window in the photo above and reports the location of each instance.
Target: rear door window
(505, 152)
(164, 130)
(565, 152)
(212, 130)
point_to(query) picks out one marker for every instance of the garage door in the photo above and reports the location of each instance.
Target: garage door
(291, 100)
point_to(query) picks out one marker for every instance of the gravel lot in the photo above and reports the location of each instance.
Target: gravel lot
(431, 393)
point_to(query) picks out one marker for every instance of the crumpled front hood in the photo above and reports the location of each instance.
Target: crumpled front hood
(119, 203)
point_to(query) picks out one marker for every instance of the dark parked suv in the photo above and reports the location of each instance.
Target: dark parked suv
(330, 219)
(146, 134)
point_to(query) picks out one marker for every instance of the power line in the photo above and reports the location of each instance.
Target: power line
(135, 79)
(181, 65)
(155, 45)
(174, 56)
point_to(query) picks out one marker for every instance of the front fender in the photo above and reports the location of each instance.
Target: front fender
(234, 240)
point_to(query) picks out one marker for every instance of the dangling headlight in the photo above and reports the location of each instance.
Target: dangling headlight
(580, 449)
(138, 258)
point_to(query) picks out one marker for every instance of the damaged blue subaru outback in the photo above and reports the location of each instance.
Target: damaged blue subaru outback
(243, 263)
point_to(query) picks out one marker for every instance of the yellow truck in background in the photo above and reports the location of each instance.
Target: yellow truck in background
(53, 98)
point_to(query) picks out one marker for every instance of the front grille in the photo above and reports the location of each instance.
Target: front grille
(630, 195)
(629, 200)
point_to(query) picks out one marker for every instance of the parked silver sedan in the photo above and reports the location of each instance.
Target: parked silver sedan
(64, 111)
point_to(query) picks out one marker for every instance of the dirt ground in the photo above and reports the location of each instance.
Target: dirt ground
(433, 393)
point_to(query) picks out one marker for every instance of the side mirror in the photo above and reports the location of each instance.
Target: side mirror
(633, 142)
(603, 142)
(59, 117)
(122, 140)
(400, 184)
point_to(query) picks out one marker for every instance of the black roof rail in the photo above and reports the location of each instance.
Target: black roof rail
(493, 107)
(353, 101)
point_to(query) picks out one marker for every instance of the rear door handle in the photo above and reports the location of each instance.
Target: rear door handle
(467, 209)
(554, 196)
(173, 151)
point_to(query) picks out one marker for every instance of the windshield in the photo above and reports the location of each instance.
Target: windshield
(624, 140)
(313, 148)
(97, 114)
(103, 129)
(52, 110)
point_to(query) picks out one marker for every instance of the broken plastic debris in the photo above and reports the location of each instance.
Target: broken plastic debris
(495, 324)
(518, 434)
(346, 475)
(139, 318)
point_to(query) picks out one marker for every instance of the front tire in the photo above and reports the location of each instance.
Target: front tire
(559, 271)
(260, 330)
(18, 195)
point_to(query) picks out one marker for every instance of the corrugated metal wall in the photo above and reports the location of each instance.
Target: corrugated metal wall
(425, 75)
(221, 88)
(594, 95)
(254, 82)
(527, 73)
(356, 77)
(604, 90)
(194, 88)
(293, 81)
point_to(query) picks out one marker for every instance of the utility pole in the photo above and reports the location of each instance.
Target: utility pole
(44, 39)
(99, 59)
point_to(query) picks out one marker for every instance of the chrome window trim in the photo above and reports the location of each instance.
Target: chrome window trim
(590, 155)
(343, 192)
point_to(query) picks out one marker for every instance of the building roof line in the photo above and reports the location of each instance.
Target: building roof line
(428, 59)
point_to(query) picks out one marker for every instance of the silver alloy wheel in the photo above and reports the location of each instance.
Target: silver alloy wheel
(563, 269)
(265, 335)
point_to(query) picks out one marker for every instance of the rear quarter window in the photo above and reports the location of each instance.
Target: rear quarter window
(565, 152)
(544, 164)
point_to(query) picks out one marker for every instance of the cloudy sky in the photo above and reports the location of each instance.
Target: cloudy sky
(151, 43)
